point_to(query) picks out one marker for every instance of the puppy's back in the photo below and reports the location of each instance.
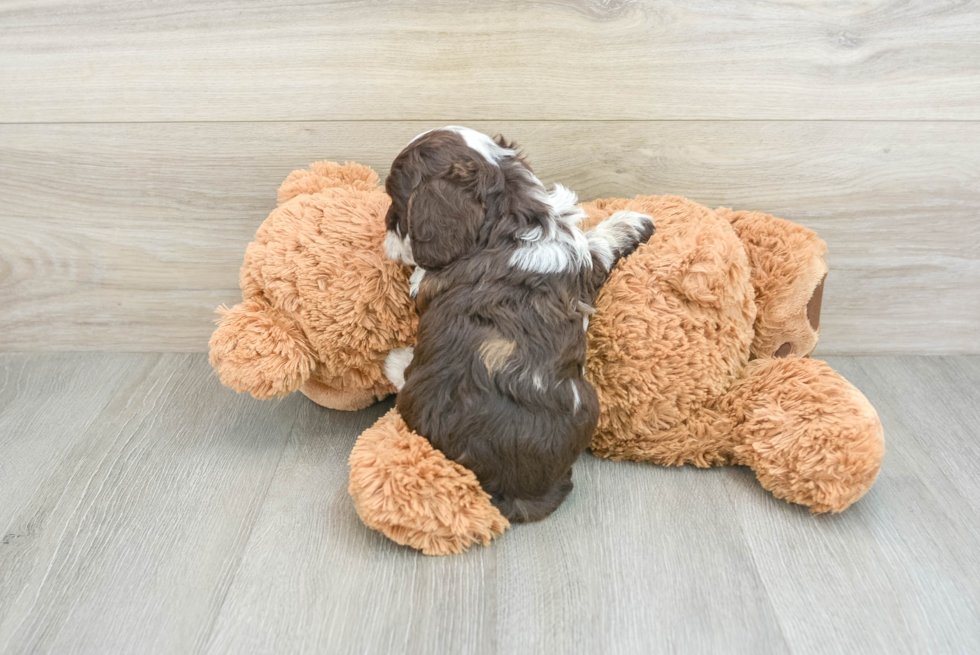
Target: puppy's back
(496, 385)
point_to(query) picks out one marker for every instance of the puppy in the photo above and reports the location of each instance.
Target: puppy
(504, 284)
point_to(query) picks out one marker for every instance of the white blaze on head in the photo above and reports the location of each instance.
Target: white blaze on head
(415, 281)
(478, 141)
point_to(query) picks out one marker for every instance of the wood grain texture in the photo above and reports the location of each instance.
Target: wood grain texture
(129, 540)
(577, 59)
(46, 407)
(315, 579)
(172, 516)
(620, 568)
(126, 237)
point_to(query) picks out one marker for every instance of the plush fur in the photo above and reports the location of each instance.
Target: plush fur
(322, 305)
(681, 352)
(810, 436)
(411, 492)
(671, 332)
(788, 269)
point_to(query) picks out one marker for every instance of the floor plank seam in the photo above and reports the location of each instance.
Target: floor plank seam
(206, 639)
(755, 565)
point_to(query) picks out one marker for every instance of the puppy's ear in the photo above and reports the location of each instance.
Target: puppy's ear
(519, 155)
(444, 218)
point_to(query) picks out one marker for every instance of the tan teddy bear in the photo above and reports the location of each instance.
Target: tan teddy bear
(698, 351)
(322, 307)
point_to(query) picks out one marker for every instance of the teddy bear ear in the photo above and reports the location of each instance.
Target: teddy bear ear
(788, 272)
(323, 175)
(258, 349)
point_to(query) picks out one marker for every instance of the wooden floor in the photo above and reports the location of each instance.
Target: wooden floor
(145, 508)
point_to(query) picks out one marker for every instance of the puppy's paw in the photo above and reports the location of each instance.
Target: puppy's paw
(415, 281)
(632, 228)
(619, 235)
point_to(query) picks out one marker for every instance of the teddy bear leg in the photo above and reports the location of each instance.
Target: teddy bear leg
(810, 436)
(416, 496)
(703, 439)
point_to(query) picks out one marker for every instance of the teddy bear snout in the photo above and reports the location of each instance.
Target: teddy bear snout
(788, 349)
(259, 349)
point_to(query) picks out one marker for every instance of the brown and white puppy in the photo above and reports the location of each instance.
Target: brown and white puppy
(504, 284)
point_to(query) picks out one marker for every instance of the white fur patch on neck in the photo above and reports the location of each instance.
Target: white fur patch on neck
(564, 203)
(395, 364)
(399, 249)
(563, 246)
(549, 256)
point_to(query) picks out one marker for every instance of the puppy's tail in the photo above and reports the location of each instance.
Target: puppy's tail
(529, 510)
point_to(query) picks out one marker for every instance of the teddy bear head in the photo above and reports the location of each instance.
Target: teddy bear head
(788, 273)
(322, 305)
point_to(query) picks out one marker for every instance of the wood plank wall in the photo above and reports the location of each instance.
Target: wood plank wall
(141, 143)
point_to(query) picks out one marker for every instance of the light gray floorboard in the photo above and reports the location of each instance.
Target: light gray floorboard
(130, 542)
(315, 579)
(622, 565)
(148, 509)
(639, 559)
(47, 404)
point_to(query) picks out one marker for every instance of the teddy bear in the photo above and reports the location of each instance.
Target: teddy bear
(321, 305)
(699, 351)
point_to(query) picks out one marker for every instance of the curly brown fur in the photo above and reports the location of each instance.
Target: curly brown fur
(505, 284)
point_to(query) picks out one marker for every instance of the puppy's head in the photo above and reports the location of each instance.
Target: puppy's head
(451, 190)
